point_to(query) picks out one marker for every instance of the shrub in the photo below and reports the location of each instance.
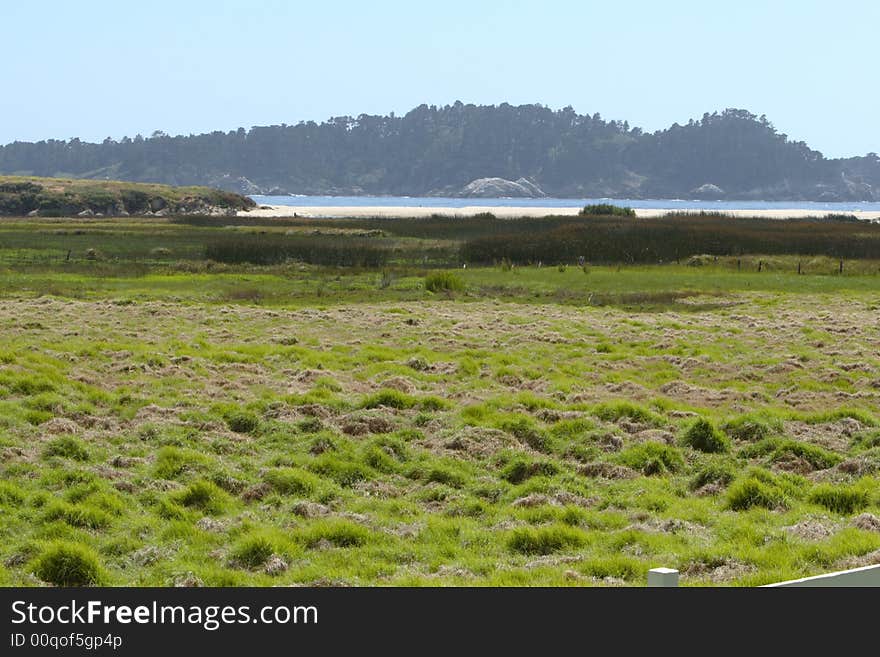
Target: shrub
(607, 210)
(242, 421)
(840, 499)
(703, 436)
(67, 447)
(748, 493)
(252, 552)
(68, 564)
(544, 540)
(443, 281)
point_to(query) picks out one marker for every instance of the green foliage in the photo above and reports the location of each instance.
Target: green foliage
(544, 540)
(523, 428)
(713, 472)
(252, 551)
(750, 428)
(171, 462)
(69, 564)
(652, 458)
(520, 469)
(703, 436)
(845, 500)
(607, 210)
(390, 398)
(292, 481)
(752, 492)
(338, 532)
(67, 447)
(204, 496)
(443, 281)
(78, 515)
(612, 412)
(242, 421)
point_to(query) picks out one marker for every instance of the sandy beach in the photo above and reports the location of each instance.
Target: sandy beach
(308, 211)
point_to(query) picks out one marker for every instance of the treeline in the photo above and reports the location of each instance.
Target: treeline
(615, 240)
(438, 150)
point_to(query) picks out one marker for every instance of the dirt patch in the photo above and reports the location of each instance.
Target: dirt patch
(720, 570)
(867, 521)
(810, 530)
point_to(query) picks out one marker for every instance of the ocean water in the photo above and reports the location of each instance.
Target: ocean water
(660, 204)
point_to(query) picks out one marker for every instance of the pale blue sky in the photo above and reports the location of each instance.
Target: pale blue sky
(98, 68)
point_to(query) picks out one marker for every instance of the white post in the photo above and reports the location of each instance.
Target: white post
(663, 577)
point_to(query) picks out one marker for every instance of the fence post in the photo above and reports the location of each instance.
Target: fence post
(663, 577)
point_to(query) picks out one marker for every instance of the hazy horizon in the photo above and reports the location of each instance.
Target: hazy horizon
(97, 69)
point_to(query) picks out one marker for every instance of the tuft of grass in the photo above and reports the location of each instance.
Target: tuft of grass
(67, 447)
(252, 551)
(844, 500)
(69, 564)
(171, 462)
(752, 492)
(544, 540)
(203, 495)
(292, 481)
(612, 412)
(390, 398)
(521, 469)
(338, 532)
(242, 421)
(652, 458)
(714, 472)
(704, 437)
(750, 428)
(443, 281)
(78, 515)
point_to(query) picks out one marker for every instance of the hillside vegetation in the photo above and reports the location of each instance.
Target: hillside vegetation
(57, 197)
(440, 150)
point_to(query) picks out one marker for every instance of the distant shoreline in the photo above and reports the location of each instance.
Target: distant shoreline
(505, 212)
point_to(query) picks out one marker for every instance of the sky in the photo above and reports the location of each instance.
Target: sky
(94, 69)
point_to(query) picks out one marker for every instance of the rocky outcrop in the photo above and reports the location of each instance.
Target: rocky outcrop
(500, 187)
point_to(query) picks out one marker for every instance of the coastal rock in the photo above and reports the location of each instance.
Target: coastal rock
(86, 213)
(157, 204)
(500, 187)
(33, 213)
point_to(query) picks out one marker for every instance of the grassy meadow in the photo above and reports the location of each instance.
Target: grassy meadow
(179, 408)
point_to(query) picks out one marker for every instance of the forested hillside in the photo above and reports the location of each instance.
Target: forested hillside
(439, 150)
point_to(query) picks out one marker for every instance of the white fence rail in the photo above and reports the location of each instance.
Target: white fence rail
(866, 576)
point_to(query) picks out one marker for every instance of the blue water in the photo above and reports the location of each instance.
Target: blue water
(660, 204)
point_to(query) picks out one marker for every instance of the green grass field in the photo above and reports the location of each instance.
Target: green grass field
(165, 420)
